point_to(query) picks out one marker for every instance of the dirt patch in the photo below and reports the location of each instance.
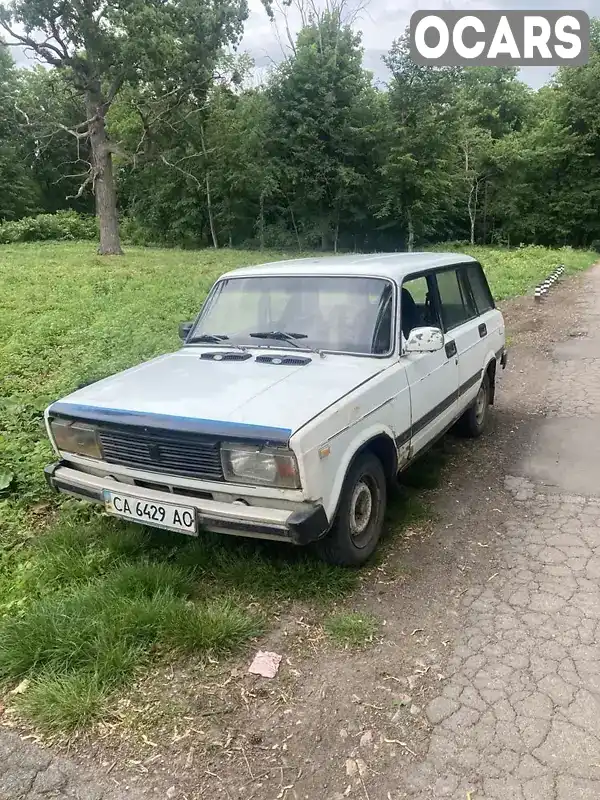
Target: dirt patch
(337, 723)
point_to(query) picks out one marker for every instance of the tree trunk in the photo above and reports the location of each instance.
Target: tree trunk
(261, 221)
(472, 207)
(294, 225)
(209, 208)
(336, 234)
(411, 232)
(485, 208)
(211, 221)
(324, 238)
(103, 180)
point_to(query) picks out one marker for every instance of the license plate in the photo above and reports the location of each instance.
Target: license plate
(149, 512)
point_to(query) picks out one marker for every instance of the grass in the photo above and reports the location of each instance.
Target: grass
(351, 629)
(516, 272)
(60, 702)
(88, 605)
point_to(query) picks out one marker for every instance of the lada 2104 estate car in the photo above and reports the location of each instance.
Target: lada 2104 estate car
(300, 391)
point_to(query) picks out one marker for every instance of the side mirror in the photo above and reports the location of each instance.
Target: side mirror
(424, 340)
(184, 329)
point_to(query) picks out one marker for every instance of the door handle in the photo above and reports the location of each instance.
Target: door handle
(451, 349)
(483, 330)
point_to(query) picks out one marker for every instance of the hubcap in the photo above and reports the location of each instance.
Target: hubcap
(361, 510)
(480, 405)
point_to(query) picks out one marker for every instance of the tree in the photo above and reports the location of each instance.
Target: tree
(419, 173)
(19, 194)
(56, 160)
(167, 49)
(319, 133)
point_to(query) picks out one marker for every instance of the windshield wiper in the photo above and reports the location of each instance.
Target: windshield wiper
(282, 336)
(213, 338)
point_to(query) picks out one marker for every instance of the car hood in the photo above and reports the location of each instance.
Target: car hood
(237, 398)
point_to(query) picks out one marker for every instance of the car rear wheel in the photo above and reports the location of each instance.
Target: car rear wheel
(359, 520)
(473, 422)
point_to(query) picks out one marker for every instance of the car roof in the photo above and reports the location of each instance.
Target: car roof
(383, 265)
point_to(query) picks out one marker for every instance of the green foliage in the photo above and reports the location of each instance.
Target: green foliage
(19, 194)
(316, 157)
(320, 130)
(163, 53)
(56, 160)
(62, 226)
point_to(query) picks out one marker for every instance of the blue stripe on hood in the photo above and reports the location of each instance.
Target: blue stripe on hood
(238, 430)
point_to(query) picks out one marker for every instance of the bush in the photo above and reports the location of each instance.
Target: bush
(134, 232)
(61, 226)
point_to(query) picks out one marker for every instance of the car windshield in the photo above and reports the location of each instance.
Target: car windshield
(343, 314)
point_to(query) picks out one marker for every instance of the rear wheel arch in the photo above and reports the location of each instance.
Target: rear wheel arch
(490, 371)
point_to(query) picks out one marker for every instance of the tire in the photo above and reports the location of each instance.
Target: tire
(474, 421)
(359, 520)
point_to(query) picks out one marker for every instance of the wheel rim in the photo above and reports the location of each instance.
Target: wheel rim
(480, 406)
(362, 505)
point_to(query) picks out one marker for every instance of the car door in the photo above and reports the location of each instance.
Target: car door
(432, 377)
(461, 322)
(490, 323)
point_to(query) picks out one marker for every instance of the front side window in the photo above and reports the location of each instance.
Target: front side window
(416, 305)
(456, 304)
(344, 314)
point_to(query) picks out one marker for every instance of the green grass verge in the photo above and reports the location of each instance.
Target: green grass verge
(351, 629)
(91, 602)
(516, 272)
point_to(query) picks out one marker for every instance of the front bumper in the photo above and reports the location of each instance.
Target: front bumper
(302, 526)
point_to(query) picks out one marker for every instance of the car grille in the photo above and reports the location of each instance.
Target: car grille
(192, 455)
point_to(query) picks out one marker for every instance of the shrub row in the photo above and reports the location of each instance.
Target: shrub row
(61, 226)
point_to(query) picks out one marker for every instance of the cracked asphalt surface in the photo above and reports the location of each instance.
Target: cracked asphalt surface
(28, 772)
(519, 717)
(518, 714)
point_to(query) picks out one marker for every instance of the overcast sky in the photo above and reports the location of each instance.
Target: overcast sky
(381, 22)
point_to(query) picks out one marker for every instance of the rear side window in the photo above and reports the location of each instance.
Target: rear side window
(457, 304)
(479, 288)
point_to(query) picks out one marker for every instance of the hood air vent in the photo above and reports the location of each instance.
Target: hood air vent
(286, 361)
(220, 356)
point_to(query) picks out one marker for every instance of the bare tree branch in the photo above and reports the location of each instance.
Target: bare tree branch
(113, 91)
(78, 135)
(90, 178)
(165, 160)
(43, 49)
(56, 36)
(20, 110)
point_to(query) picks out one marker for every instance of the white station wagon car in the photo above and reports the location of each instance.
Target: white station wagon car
(300, 391)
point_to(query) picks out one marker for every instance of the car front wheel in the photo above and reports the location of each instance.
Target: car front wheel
(359, 520)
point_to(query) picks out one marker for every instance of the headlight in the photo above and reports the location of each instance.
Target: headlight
(75, 437)
(262, 466)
